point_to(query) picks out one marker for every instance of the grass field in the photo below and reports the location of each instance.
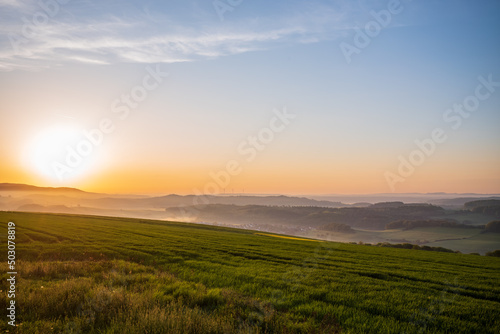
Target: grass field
(479, 243)
(287, 237)
(83, 274)
(467, 217)
(462, 239)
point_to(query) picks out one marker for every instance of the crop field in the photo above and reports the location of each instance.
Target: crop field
(462, 239)
(431, 233)
(472, 218)
(480, 243)
(88, 274)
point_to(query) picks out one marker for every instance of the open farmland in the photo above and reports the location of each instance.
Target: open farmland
(87, 274)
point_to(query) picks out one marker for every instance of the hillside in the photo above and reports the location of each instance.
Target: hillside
(190, 200)
(374, 217)
(22, 194)
(292, 215)
(30, 188)
(489, 207)
(118, 275)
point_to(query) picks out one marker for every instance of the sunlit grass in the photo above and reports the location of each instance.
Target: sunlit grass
(285, 237)
(82, 274)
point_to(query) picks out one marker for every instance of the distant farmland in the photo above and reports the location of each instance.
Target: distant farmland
(87, 274)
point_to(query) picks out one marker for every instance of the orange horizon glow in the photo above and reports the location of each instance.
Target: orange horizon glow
(117, 171)
(150, 181)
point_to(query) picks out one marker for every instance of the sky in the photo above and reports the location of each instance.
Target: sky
(238, 96)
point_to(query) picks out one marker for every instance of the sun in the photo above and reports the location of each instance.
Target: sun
(53, 153)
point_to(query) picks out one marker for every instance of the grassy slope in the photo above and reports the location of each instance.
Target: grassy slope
(115, 275)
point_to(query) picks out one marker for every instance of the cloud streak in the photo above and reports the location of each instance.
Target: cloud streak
(112, 39)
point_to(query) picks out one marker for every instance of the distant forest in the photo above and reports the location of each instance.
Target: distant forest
(388, 215)
(488, 207)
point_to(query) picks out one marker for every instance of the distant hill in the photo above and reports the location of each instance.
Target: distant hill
(13, 196)
(121, 201)
(482, 203)
(441, 199)
(460, 201)
(374, 217)
(30, 188)
(488, 207)
(42, 208)
(387, 205)
(32, 208)
(286, 210)
(193, 200)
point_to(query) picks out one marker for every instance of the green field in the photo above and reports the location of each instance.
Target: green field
(464, 240)
(83, 274)
(479, 243)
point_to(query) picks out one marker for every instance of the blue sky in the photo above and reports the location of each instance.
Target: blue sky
(227, 75)
(175, 31)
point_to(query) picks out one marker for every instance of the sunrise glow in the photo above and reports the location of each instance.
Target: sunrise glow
(158, 101)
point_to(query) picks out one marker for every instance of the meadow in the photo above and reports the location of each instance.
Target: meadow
(463, 240)
(89, 274)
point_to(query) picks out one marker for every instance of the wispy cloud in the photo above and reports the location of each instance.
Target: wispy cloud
(59, 43)
(112, 39)
(12, 3)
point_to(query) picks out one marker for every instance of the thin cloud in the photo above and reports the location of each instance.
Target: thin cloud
(113, 39)
(13, 3)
